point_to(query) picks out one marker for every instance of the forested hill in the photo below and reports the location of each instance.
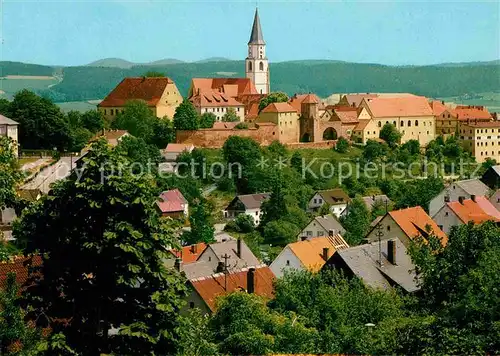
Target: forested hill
(321, 77)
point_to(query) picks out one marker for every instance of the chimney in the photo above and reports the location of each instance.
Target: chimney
(442, 102)
(220, 267)
(251, 280)
(238, 247)
(473, 197)
(303, 238)
(330, 233)
(325, 253)
(178, 264)
(461, 200)
(391, 251)
(194, 249)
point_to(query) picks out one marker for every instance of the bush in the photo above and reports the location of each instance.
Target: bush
(342, 145)
(245, 223)
(241, 126)
(280, 232)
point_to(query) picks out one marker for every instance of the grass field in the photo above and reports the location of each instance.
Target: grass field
(490, 99)
(11, 86)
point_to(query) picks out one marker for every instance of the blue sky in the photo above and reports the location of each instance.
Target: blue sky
(69, 32)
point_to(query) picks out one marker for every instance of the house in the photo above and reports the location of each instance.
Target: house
(159, 93)
(19, 265)
(297, 99)
(380, 266)
(446, 118)
(492, 177)
(477, 210)
(495, 199)
(411, 115)
(217, 103)
(463, 188)
(320, 226)
(308, 254)
(113, 137)
(348, 117)
(481, 139)
(371, 200)
(285, 117)
(249, 204)
(204, 291)
(173, 204)
(7, 217)
(365, 130)
(9, 128)
(354, 100)
(189, 254)
(217, 257)
(173, 150)
(405, 225)
(472, 113)
(336, 198)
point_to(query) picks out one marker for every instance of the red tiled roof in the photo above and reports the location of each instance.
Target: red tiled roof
(356, 99)
(310, 252)
(234, 86)
(465, 113)
(213, 98)
(251, 102)
(473, 211)
(20, 266)
(178, 147)
(190, 254)
(400, 106)
(361, 125)
(347, 114)
(209, 288)
(278, 108)
(297, 100)
(224, 125)
(438, 108)
(414, 222)
(148, 89)
(171, 201)
(487, 124)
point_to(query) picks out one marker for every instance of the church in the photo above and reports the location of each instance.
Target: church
(240, 96)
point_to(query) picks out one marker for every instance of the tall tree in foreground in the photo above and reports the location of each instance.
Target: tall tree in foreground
(276, 97)
(9, 174)
(186, 117)
(103, 245)
(356, 222)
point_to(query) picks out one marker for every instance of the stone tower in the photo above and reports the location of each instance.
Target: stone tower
(257, 65)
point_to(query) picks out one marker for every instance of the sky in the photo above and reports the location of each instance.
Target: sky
(76, 32)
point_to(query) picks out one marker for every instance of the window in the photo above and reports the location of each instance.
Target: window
(320, 233)
(440, 227)
(256, 213)
(249, 66)
(261, 66)
(288, 262)
(388, 228)
(191, 305)
(416, 122)
(209, 258)
(315, 201)
(379, 124)
(446, 214)
(309, 233)
(402, 123)
(409, 123)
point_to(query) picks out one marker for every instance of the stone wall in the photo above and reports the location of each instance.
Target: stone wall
(318, 145)
(215, 138)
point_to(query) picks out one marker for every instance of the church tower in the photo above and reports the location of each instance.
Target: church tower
(257, 65)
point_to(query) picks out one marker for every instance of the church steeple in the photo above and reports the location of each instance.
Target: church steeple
(256, 35)
(257, 66)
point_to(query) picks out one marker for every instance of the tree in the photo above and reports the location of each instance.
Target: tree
(92, 120)
(207, 120)
(245, 223)
(230, 116)
(137, 119)
(186, 117)
(41, 122)
(418, 193)
(276, 97)
(277, 150)
(138, 151)
(9, 174)
(4, 106)
(356, 222)
(390, 134)
(275, 207)
(342, 145)
(195, 335)
(103, 244)
(17, 337)
(296, 161)
(413, 147)
(374, 150)
(280, 232)
(201, 222)
(153, 74)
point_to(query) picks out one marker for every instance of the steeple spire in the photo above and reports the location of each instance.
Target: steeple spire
(256, 35)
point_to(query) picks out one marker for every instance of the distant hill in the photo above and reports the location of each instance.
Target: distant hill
(112, 63)
(322, 77)
(213, 59)
(465, 64)
(164, 61)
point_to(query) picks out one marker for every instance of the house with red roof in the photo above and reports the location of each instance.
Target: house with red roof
(446, 118)
(159, 93)
(172, 203)
(21, 266)
(481, 139)
(284, 116)
(205, 291)
(477, 210)
(406, 225)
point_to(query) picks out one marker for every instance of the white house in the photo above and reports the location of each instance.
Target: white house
(320, 226)
(464, 189)
(308, 255)
(8, 128)
(249, 204)
(336, 198)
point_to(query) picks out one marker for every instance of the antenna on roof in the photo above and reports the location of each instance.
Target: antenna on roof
(379, 234)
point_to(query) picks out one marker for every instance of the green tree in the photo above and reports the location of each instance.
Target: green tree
(110, 272)
(207, 120)
(201, 222)
(163, 133)
(4, 107)
(186, 117)
(296, 161)
(230, 116)
(280, 232)
(275, 97)
(9, 173)
(92, 120)
(17, 337)
(390, 134)
(356, 222)
(41, 122)
(137, 119)
(195, 336)
(276, 149)
(137, 150)
(418, 192)
(245, 223)
(374, 150)
(275, 207)
(153, 74)
(413, 147)
(342, 145)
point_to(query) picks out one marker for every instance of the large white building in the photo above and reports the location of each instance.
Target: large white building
(257, 65)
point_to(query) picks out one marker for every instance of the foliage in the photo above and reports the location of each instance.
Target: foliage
(195, 336)
(17, 337)
(186, 117)
(78, 230)
(390, 134)
(413, 147)
(201, 222)
(417, 193)
(280, 232)
(342, 145)
(9, 174)
(138, 151)
(245, 223)
(356, 222)
(374, 150)
(275, 97)
(242, 126)
(296, 161)
(230, 116)
(153, 74)
(137, 119)
(241, 153)
(192, 163)
(276, 149)
(207, 120)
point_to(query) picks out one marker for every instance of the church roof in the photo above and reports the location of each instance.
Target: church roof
(140, 88)
(256, 36)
